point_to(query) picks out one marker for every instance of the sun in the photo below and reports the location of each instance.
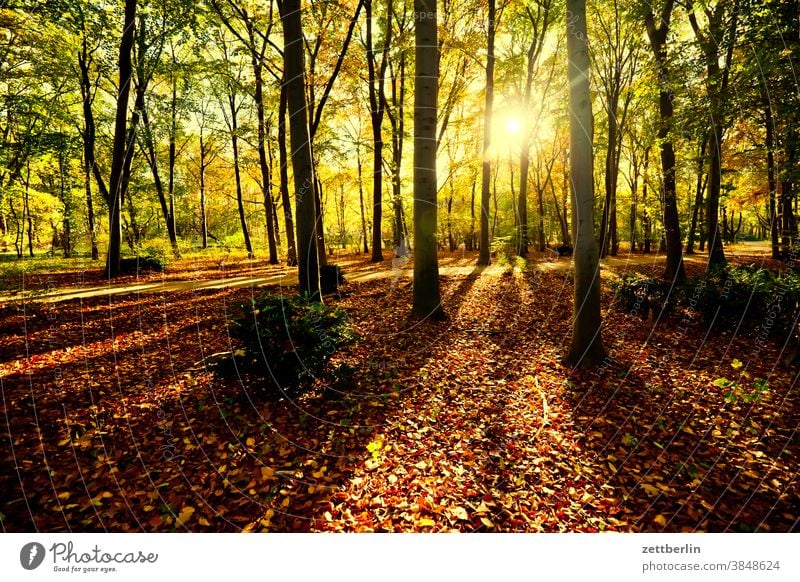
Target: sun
(513, 126)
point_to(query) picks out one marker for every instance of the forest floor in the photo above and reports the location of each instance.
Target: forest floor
(112, 423)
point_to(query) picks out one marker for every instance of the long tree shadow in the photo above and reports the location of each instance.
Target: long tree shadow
(678, 456)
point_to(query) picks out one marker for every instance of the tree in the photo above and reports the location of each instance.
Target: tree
(302, 166)
(427, 298)
(540, 21)
(120, 152)
(486, 175)
(657, 34)
(720, 35)
(256, 43)
(615, 60)
(586, 349)
(377, 106)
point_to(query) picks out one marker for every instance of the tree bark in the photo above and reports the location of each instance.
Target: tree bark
(304, 179)
(657, 33)
(700, 187)
(427, 298)
(771, 180)
(248, 245)
(120, 133)
(586, 349)
(483, 256)
(283, 160)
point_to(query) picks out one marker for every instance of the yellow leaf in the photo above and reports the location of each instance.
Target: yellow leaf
(426, 522)
(487, 522)
(64, 495)
(650, 490)
(421, 465)
(203, 521)
(64, 442)
(460, 513)
(267, 473)
(482, 508)
(185, 514)
(106, 494)
(250, 442)
(660, 520)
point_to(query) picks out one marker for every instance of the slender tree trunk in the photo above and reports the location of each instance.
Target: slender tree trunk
(771, 181)
(471, 240)
(120, 133)
(586, 349)
(716, 254)
(657, 33)
(203, 217)
(26, 210)
(167, 207)
(283, 160)
(302, 163)
(173, 130)
(427, 298)
(266, 187)
(239, 197)
(483, 257)
(361, 201)
(698, 195)
(376, 106)
(87, 185)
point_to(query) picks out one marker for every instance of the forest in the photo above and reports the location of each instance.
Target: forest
(399, 265)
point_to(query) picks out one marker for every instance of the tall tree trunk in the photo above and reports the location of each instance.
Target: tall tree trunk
(120, 133)
(302, 163)
(237, 174)
(376, 110)
(397, 121)
(771, 181)
(167, 207)
(90, 131)
(471, 240)
(716, 254)
(203, 217)
(586, 349)
(283, 160)
(361, 200)
(698, 194)
(647, 225)
(657, 33)
(26, 209)
(427, 298)
(172, 156)
(788, 223)
(87, 185)
(483, 257)
(266, 186)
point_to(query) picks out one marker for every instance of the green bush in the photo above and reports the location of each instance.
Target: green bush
(290, 341)
(639, 295)
(727, 295)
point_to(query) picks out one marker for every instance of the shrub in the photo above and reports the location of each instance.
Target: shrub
(290, 341)
(639, 295)
(727, 294)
